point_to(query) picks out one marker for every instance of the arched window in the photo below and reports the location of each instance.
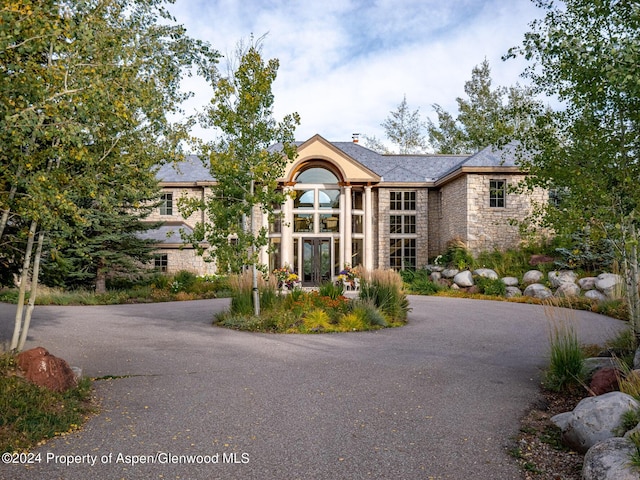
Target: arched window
(316, 175)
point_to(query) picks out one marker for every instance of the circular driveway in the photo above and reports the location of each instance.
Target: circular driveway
(439, 398)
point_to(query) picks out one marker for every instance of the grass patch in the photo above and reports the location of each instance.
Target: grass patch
(30, 414)
(159, 288)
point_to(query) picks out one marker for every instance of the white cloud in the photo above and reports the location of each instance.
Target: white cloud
(344, 65)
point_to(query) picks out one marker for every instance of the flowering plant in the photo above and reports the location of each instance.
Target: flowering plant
(347, 273)
(286, 277)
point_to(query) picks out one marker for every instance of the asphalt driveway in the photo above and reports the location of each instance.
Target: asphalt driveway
(439, 398)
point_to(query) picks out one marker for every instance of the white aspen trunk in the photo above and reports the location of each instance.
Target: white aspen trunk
(633, 280)
(24, 278)
(254, 272)
(32, 293)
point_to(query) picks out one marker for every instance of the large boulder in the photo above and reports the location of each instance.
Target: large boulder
(449, 272)
(510, 281)
(596, 295)
(587, 283)
(512, 292)
(486, 272)
(463, 279)
(43, 369)
(558, 278)
(605, 380)
(568, 290)
(610, 284)
(537, 290)
(532, 276)
(594, 419)
(593, 364)
(609, 460)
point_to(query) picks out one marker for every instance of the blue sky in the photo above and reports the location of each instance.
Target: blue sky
(345, 64)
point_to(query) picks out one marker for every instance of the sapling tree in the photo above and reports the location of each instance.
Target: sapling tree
(244, 166)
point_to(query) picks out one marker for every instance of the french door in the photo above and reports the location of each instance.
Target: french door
(316, 261)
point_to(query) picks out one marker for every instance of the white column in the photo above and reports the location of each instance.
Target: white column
(346, 212)
(368, 229)
(286, 243)
(342, 228)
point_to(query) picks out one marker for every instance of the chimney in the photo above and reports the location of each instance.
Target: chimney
(355, 136)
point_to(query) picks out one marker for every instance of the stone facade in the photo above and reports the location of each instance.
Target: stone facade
(451, 203)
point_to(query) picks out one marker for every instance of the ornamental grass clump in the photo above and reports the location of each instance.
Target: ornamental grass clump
(384, 288)
(566, 363)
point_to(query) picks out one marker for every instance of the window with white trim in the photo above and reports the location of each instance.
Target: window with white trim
(402, 230)
(166, 205)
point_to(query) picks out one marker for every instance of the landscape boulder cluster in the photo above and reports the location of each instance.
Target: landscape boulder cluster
(562, 283)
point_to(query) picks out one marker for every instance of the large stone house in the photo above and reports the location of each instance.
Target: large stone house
(355, 206)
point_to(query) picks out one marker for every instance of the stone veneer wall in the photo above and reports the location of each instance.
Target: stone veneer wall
(381, 223)
(186, 259)
(496, 228)
(197, 216)
(453, 223)
(435, 246)
(422, 227)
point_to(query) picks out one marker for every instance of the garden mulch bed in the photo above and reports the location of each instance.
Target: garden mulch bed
(538, 448)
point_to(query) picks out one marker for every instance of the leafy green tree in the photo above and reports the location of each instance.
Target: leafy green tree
(85, 92)
(586, 54)
(245, 168)
(486, 117)
(405, 128)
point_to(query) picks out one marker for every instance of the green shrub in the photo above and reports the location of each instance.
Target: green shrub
(185, 279)
(242, 303)
(457, 255)
(490, 286)
(331, 290)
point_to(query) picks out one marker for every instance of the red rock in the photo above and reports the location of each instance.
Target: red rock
(538, 259)
(604, 380)
(43, 369)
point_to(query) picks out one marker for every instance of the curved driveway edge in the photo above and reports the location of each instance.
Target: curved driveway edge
(439, 398)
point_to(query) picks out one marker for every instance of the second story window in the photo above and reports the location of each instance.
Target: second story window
(166, 207)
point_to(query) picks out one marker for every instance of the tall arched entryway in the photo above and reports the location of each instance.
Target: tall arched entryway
(323, 224)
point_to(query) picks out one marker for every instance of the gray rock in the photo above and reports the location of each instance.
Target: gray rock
(596, 295)
(596, 363)
(568, 290)
(532, 276)
(434, 268)
(510, 281)
(513, 292)
(486, 272)
(610, 284)
(609, 460)
(449, 272)
(537, 290)
(587, 283)
(595, 419)
(563, 276)
(561, 420)
(435, 276)
(464, 279)
(636, 360)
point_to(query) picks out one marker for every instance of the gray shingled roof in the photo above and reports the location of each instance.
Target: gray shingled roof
(392, 168)
(166, 233)
(191, 169)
